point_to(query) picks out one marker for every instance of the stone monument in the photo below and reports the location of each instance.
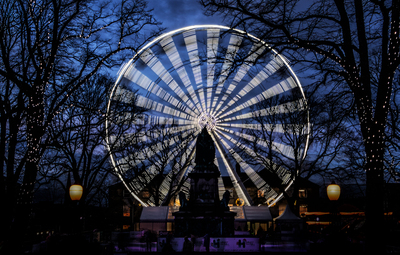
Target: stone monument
(204, 213)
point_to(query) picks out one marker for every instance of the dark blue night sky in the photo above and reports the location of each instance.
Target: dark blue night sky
(181, 13)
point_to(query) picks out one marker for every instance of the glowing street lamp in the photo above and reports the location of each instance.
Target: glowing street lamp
(333, 191)
(75, 192)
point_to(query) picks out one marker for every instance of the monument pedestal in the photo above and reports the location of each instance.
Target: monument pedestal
(200, 223)
(204, 213)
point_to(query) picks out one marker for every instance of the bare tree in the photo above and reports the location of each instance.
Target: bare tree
(12, 147)
(77, 141)
(351, 43)
(50, 48)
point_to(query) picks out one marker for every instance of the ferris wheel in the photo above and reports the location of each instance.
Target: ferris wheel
(196, 77)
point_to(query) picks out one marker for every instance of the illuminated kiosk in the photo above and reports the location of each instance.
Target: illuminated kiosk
(204, 213)
(288, 224)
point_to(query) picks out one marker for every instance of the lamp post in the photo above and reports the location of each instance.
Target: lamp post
(333, 191)
(75, 193)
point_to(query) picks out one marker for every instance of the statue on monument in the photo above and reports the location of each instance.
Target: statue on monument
(205, 149)
(225, 199)
(182, 200)
(204, 183)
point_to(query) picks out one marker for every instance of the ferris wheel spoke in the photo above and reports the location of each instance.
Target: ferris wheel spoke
(290, 107)
(145, 177)
(250, 172)
(282, 173)
(139, 183)
(138, 157)
(233, 47)
(151, 60)
(121, 141)
(272, 66)
(212, 49)
(168, 188)
(163, 109)
(278, 147)
(173, 55)
(277, 89)
(221, 186)
(277, 128)
(145, 136)
(235, 179)
(147, 84)
(177, 173)
(256, 50)
(190, 39)
(171, 130)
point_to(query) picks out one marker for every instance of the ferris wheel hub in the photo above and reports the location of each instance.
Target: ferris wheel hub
(207, 120)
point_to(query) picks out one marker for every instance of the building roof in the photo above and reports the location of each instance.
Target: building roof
(154, 214)
(288, 216)
(252, 213)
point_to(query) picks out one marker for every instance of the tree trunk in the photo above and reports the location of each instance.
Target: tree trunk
(34, 124)
(375, 235)
(375, 224)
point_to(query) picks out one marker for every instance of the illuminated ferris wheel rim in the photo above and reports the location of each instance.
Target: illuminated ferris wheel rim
(204, 118)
